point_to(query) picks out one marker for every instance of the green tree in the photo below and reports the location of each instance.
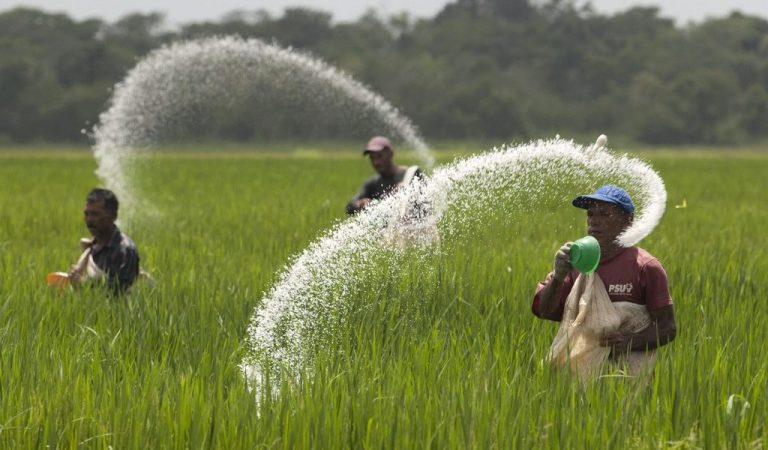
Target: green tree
(27, 85)
(754, 111)
(138, 32)
(651, 119)
(479, 68)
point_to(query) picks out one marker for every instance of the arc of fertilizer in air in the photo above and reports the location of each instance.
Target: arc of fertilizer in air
(167, 88)
(297, 310)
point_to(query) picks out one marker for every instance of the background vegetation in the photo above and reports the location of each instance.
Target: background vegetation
(437, 353)
(479, 69)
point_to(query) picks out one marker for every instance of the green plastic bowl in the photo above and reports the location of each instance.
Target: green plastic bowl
(585, 254)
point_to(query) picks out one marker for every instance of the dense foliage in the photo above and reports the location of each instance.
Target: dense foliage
(479, 68)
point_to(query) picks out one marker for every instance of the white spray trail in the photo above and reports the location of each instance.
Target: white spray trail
(169, 92)
(301, 306)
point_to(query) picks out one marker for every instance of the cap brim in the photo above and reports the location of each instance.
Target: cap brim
(583, 201)
(372, 150)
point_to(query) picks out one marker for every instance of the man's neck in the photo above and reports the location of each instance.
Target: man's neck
(102, 240)
(390, 171)
(612, 251)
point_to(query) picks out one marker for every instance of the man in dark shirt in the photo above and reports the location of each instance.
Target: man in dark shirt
(110, 255)
(390, 175)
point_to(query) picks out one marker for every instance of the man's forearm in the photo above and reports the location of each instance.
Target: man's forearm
(661, 331)
(352, 207)
(549, 300)
(652, 337)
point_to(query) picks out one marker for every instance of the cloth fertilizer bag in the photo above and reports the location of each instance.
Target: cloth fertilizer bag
(589, 314)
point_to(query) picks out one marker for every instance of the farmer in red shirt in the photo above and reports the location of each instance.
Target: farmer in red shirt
(630, 274)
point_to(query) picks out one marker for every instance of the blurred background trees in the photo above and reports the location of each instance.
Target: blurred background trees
(479, 69)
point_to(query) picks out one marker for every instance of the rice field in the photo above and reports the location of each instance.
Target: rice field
(441, 352)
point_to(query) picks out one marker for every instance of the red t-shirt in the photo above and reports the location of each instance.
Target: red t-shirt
(633, 275)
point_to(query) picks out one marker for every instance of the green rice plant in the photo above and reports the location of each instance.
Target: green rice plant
(439, 351)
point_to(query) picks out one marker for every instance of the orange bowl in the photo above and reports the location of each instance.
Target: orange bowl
(57, 279)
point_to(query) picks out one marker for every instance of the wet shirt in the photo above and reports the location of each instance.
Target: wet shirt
(119, 259)
(633, 275)
(378, 187)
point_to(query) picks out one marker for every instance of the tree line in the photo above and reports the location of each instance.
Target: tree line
(499, 69)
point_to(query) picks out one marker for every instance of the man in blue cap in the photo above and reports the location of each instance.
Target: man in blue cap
(630, 274)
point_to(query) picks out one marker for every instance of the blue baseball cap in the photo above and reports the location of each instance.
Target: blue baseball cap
(608, 193)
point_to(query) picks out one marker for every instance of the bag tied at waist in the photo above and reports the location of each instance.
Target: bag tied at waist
(589, 314)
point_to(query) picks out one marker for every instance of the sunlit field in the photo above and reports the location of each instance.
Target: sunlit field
(439, 353)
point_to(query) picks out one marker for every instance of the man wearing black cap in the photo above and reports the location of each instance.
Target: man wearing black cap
(390, 175)
(630, 274)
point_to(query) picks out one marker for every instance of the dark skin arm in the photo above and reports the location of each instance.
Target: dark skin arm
(549, 298)
(358, 202)
(661, 331)
(361, 199)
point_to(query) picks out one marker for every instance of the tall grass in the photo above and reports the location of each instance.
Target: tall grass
(440, 352)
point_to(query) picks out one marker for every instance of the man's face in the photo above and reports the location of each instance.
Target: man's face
(381, 161)
(98, 218)
(605, 221)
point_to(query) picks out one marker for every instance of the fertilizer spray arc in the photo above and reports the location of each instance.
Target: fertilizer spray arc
(158, 97)
(166, 92)
(298, 307)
